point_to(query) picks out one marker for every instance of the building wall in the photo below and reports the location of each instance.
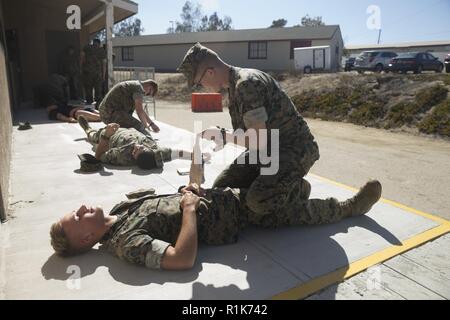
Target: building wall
(168, 57)
(31, 21)
(5, 126)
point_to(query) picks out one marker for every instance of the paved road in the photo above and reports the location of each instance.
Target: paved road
(414, 170)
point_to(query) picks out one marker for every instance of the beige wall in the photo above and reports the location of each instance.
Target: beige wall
(5, 127)
(168, 57)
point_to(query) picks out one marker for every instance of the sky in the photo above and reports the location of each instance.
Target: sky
(400, 20)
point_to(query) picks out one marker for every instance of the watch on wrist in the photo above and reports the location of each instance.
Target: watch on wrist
(104, 137)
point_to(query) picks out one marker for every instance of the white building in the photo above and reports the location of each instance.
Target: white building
(270, 49)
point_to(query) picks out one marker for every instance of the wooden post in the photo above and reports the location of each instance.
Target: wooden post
(109, 13)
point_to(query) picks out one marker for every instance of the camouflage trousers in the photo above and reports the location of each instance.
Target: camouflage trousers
(278, 200)
(91, 82)
(93, 136)
(110, 114)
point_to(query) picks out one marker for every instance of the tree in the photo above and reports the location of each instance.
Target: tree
(126, 28)
(190, 17)
(192, 20)
(280, 23)
(308, 21)
(214, 23)
(129, 28)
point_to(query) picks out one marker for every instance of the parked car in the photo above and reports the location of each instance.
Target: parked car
(373, 61)
(349, 64)
(447, 63)
(416, 62)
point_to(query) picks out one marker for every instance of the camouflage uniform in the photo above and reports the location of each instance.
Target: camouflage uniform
(70, 68)
(121, 146)
(118, 105)
(146, 226)
(55, 91)
(92, 72)
(255, 97)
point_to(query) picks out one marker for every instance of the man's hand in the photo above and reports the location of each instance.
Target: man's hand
(195, 189)
(214, 134)
(154, 127)
(190, 200)
(72, 120)
(111, 129)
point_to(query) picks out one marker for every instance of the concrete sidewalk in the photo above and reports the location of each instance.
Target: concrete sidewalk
(46, 184)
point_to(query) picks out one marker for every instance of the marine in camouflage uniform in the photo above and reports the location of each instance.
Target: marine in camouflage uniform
(118, 105)
(255, 97)
(148, 224)
(121, 145)
(70, 68)
(92, 72)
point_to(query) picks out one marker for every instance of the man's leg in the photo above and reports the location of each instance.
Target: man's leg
(238, 175)
(98, 90)
(125, 120)
(276, 201)
(88, 87)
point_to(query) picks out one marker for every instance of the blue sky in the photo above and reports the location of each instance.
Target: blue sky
(401, 20)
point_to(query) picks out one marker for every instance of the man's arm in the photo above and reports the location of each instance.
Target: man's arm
(143, 116)
(183, 255)
(103, 145)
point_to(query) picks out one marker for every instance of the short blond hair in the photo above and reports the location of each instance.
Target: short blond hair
(153, 84)
(59, 240)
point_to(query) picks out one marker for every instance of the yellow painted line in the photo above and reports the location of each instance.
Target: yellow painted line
(393, 203)
(356, 267)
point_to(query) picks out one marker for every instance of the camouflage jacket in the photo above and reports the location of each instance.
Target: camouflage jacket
(121, 97)
(121, 146)
(94, 57)
(148, 225)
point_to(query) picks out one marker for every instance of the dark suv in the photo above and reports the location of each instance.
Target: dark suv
(416, 62)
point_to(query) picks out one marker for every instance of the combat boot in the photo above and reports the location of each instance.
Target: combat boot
(363, 201)
(305, 189)
(84, 124)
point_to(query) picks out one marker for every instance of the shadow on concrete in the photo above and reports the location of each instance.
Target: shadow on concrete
(319, 256)
(57, 268)
(323, 255)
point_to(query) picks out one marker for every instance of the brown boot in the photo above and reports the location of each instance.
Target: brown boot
(362, 202)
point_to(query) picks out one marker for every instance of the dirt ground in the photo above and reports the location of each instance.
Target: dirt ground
(414, 170)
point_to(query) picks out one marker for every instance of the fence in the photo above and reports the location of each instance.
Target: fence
(137, 73)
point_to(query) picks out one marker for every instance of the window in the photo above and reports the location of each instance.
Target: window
(257, 50)
(127, 53)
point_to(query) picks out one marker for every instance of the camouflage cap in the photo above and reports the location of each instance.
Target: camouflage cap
(192, 60)
(88, 163)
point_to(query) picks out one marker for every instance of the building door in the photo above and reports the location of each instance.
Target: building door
(319, 58)
(14, 66)
(57, 43)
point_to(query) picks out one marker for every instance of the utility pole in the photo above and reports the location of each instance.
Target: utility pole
(379, 36)
(173, 26)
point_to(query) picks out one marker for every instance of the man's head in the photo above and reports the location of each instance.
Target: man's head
(96, 43)
(78, 231)
(150, 87)
(203, 68)
(145, 158)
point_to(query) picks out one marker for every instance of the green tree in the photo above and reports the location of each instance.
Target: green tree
(126, 28)
(308, 21)
(192, 20)
(280, 23)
